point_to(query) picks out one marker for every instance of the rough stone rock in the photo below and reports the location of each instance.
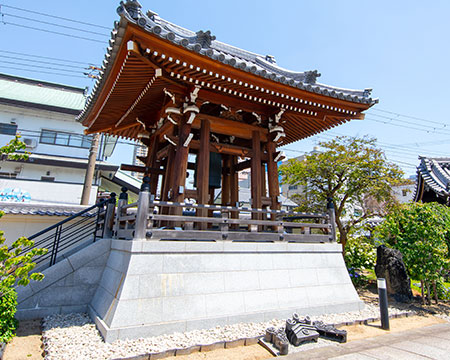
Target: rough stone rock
(390, 266)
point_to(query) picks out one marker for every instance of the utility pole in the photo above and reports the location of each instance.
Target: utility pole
(90, 170)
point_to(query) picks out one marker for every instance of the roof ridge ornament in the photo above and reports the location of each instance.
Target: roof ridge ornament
(311, 76)
(367, 93)
(271, 59)
(132, 7)
(204, 38)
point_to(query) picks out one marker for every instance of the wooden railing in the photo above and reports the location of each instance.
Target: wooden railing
(162, 220)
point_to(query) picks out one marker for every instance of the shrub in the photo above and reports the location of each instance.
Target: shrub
(360, 254)
(421, 232)
(8, 305)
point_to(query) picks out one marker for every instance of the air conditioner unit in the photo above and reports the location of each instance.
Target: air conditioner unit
(30, 143)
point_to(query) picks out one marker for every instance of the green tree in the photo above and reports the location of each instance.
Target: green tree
(421, 232)
(15, 264)
(352, 172)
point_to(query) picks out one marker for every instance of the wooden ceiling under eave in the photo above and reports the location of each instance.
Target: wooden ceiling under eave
(132, 95)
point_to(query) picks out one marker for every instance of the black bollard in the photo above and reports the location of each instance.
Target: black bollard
(382, 296)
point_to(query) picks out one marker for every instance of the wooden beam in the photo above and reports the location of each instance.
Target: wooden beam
(242, 165)
(230, 127)
(165, 129)
(141, 169)
(164, 152)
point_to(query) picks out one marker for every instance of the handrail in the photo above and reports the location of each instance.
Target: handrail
(231, 208)
(73, 232)
(54, 226)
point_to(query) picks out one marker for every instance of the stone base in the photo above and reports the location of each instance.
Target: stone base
(68, 286)
(150, 288)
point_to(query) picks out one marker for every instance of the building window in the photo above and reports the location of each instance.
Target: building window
(65, 139)
(293, 187)
(404, 192)
(47, 178)
(8, 129)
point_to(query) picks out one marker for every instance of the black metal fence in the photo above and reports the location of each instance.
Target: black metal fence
(71, 233)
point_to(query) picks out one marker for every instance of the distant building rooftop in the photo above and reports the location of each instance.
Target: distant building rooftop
(41, 95)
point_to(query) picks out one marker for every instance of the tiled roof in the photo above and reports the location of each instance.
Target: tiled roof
(43, 209)
(435, 173)
(13, 88)
(204, 43)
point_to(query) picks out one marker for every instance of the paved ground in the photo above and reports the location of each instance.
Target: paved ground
(431, 342)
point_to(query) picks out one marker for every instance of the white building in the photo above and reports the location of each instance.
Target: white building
(46, 188)
(44, 114)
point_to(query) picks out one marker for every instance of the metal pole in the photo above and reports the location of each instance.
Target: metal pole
(90, 171)
(383, 300)
(332, 215)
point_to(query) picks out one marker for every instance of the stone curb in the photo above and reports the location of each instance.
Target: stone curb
(371, 320)
(235, 343)
(195, 348)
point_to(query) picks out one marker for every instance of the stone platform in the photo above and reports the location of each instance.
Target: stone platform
(150, 288)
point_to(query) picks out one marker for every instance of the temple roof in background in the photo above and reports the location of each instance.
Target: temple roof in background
(433, 174)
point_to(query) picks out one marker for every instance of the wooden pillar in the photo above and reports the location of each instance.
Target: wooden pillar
(226, 180)
(256, 185)
(234, 188)
(168, 174)
(272, 176)
(203, 171)
(180, 165)
(152, 163)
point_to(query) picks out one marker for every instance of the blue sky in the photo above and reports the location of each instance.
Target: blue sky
(398, 48)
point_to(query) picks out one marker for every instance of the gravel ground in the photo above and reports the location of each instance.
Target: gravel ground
(74, 336)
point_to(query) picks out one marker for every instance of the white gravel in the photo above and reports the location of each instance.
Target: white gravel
(74, 336)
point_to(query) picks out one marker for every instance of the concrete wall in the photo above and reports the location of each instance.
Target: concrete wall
(50, 192)
(154, 287)
(68, 286)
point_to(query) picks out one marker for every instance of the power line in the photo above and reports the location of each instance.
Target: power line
(55, 17)
(407, 116)
(39, 67)
(407, 122)
(53, 32)
(53, 24)
(434, 130)
(42, 72)
(395, 147)
(43, 62)
(46, 57)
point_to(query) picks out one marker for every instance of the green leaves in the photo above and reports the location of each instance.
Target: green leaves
(8, 305)
(11, 148)
(15, 264)
(422, 233)
(351, 171)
